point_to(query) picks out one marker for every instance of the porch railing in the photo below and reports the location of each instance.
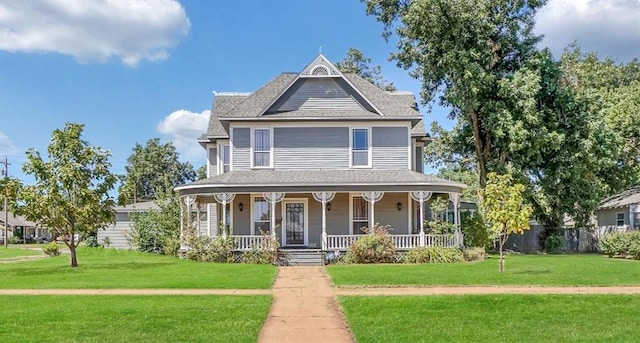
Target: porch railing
(248, 242)
(401, 242)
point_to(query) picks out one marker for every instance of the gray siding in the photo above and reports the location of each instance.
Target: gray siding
(241, 141)
(338, 217)
(241, 220)
(608, 217)
(311, 148)
(323, 93)
(389, 147)
(386, 212)
(117, 234)
(213, 160)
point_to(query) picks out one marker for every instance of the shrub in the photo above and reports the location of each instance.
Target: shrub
(434, 255)
(265, 253)
(474, 254)
(553, 244)
(624, 244)
(210, 249)
(52, 248)
(375, 247)
(92, 242)
(474, 230)
(106, 242)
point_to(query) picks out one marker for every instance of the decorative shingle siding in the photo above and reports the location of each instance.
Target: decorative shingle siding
(241, 149)
(213, 160)
(389, 147)
(320, 94)
(311, 147)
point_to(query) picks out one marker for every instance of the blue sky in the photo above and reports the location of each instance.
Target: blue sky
(134, 70)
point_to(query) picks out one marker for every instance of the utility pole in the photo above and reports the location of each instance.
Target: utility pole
(6, 203)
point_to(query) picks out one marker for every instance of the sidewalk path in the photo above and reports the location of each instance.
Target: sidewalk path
(304, 309)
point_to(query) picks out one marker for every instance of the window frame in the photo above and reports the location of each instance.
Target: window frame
(352, 198)
(352, 149)
(255, 199)
(221, 161)
(618, 219)
(253, 147)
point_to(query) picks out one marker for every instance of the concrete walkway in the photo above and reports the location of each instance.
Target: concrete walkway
(304, 309)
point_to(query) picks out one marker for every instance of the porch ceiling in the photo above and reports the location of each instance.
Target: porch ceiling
(302, 181)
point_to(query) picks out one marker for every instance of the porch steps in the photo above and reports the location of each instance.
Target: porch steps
(302, 257)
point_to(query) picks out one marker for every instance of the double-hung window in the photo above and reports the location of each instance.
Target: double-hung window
(360, 215)
(225, 158)
(620, 219)
(360, 148)
(261, 216)
(262, 147)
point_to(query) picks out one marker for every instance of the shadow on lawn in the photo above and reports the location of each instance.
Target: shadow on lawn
(42, 271)
(532, 272)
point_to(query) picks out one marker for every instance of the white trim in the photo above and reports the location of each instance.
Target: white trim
(259, 123)
(252, 144)
(409, 213)
(369, 148)
(284, 202)
(421, 146)
(220, 219)
(220, 156)
(410, 148)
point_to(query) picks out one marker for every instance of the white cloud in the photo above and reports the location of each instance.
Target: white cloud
(610, 27)
(95, 30)
(6, 146)
(185, 127)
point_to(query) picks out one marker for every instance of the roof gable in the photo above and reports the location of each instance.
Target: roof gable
(320, 86)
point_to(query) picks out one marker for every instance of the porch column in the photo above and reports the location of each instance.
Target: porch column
(455, 199)
(188, 201)
(224, 199)
(273, 198)
(421, 197)
(372, 198)
(324, 198)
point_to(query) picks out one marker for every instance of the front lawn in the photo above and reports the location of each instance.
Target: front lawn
(132, 318)
(13, 251)
(111, 268)
(494, 318)
(541, 270)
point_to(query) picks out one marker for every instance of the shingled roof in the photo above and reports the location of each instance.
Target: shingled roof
(629, 197)
(327, 180)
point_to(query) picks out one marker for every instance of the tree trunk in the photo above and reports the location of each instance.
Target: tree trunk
(481, 146)
(74, 259)
(501, 263)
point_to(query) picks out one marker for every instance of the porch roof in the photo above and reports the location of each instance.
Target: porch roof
(299, 181)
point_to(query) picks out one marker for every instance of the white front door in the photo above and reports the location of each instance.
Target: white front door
(294, 222)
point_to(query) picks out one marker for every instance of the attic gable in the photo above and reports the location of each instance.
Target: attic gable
(321, 86)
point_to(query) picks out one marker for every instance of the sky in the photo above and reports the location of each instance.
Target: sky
(132, 70)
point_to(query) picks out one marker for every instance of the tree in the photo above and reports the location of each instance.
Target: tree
(71, 191)
(463, 50)
(201, 172)
(153, 169)
(355, 62)
(158, 230)
(9, 193)
(504, 209)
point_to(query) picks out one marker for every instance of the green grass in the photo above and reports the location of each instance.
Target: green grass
(111, 268)
(494, 318)
(132, 318)
(12, 252)
(545, 270)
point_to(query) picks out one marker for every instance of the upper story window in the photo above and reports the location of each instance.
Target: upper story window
(360, 147)
(262, 150)
(225, 158)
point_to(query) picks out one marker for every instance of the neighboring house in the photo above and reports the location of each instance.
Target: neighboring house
(118, 232)
(20, 227)
(312, 157)
(620, 212)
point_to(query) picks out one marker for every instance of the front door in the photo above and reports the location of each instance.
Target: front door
(294, 219)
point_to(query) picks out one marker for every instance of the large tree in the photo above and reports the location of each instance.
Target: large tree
(153, 169)
(462, 51)
(357, 63)
(71, 191)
